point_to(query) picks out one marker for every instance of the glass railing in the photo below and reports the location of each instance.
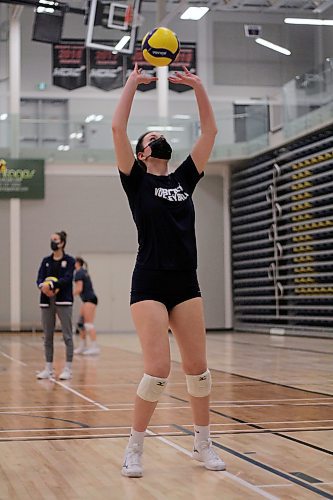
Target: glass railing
(307, 104)
(91, 141)
(308, 100)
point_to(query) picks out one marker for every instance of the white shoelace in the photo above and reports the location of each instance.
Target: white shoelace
(207, 448)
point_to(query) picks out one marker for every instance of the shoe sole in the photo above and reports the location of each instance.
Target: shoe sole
(217, 468)
(133, 474)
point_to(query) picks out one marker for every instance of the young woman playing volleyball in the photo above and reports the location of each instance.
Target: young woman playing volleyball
(165, 291)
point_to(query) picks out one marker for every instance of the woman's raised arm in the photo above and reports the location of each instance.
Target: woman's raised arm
(122, 145)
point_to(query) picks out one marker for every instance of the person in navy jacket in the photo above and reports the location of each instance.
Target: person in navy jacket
(56, 299)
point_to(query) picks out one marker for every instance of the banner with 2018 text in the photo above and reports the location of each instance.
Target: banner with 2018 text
(74, 66)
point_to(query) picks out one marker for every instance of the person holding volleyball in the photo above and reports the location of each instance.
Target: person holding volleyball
(165, 291)
(55, 277)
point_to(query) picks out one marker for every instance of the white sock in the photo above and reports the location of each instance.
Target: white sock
(69, 365)
(136, 437)
(201, 433)
(93, 344)
(49, 366)
(83, 343)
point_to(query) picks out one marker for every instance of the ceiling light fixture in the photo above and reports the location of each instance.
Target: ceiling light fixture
(273, 46)
(45, 10)
(310, 22)
(194, 13)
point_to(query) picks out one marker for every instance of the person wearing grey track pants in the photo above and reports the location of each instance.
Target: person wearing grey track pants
(56, 299)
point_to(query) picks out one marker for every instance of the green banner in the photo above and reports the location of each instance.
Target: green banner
(21, 178)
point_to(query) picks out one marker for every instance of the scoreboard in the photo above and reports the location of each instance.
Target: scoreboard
(282, 238)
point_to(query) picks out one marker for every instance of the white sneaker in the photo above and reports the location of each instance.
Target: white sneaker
(132, 463)
(44, 374)
(80, 350)
(91, 351)
(204, 452)
(66, 374)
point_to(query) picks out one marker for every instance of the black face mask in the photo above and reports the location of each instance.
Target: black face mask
(54, 245)
(160, 148)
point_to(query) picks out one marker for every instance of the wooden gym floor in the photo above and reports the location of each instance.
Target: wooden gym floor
(271, 416)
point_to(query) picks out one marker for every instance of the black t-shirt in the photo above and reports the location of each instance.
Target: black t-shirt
(87, 290)
(55, 267)
(163, 212)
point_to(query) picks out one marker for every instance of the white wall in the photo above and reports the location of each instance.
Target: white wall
(88, 202)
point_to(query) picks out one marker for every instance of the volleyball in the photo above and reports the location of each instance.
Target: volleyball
(50, 279)
(160, 47)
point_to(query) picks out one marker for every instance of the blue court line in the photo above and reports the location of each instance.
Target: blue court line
(268, 468)
(264, 430)
(273, 383)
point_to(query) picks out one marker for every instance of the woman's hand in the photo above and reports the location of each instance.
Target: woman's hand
(47, 291)
(140, 76)
(186, 78)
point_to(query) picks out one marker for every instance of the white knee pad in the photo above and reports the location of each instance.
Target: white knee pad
(88, 326)
(150, 388)
(199, 386)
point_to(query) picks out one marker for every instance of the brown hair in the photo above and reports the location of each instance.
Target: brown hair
(81, 262)
(139, 149)
(63, 237)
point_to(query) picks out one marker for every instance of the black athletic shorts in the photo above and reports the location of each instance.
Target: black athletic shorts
(92, 300)
(169, 287)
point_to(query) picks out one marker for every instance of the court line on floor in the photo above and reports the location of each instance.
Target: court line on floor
(254, 425)
(13, 359)
(277, 432)
(268, 346)
(272, 383)
(266, 467)
(236, 375)
(65, 437)
(215, 433)
(104, 408)
(234, 478)
(236, 421)
(67, 388)
(215, 403)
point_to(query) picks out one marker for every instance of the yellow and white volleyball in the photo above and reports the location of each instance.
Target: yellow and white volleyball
(53, 280)
(160, 47)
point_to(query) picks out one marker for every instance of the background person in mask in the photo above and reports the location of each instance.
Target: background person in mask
(56, 298)
(165, 290)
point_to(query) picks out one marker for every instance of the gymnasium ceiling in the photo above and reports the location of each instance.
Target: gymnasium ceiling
(293, 7)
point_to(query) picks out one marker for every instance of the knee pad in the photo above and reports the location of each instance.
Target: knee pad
(80, 323)
(89, 326)
(199, 386)
(150, 388)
